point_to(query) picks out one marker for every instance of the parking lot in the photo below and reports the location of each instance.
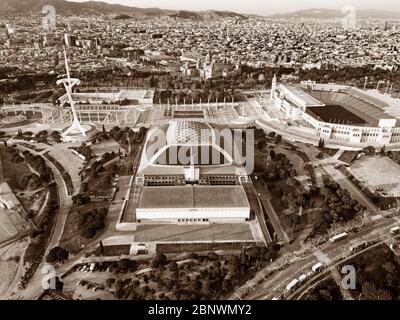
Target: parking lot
(378, 173)
(206, 232)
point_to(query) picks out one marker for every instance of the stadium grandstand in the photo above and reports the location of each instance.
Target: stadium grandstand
(339, 112)
(144, 97)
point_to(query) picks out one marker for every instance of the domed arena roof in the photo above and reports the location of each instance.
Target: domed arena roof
(192, 140)
(189, 133)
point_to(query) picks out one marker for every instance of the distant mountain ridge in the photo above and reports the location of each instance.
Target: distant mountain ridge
(65, 7)
(98, 7)
(334, 14)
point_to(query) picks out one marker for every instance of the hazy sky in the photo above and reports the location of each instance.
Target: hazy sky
(264, 7)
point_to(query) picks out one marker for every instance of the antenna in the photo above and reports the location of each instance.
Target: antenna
(69, 84)
(66, 66)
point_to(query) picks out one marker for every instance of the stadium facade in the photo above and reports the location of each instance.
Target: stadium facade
(142, 97)
(189, 173)
(339, 112)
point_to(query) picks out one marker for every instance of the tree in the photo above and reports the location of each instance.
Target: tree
(272, 154)
(159, 259)
(369, 150)
(226, 284)
(277, 192)
(145, 290)
(91, 222)
(196, 285)
(173, 266)
(320, 155)
(212, 256)
(193, 255)
(80, 199)
(369, 291)
(124, 264)
(384, 294)
(57, 254)
(110, 282)
(56, 135)
(101, 248)
(260, 144)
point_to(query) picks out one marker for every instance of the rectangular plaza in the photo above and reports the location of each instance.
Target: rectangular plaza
(379, 174)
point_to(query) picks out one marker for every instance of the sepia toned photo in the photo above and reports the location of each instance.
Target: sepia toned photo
(218, 152)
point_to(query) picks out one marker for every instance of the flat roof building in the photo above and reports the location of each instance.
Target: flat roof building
(132, 96)
(187, 176)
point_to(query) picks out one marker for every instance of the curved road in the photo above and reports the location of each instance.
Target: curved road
(34, 288)
(276, 283)
(325, 274)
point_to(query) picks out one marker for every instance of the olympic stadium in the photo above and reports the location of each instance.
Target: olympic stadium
(339, 113)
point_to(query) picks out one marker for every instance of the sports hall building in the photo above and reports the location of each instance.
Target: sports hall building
(190, 173)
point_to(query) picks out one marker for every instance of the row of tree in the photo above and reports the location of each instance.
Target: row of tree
(338, 207)
(205, 277)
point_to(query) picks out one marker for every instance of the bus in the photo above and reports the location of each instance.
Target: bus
(317, 267)
(394, 230)
(338, 237)
(80, 156)
(292, 285)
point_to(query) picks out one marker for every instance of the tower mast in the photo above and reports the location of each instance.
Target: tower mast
(69, 83)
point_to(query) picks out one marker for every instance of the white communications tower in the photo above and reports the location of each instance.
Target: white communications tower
(69, 83)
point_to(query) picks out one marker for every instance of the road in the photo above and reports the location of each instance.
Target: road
(265, 197)
(326, 274)
(135, 156)
(65, 202)
(345, 183)
(255, 204)
(34, 288)
(274, 285)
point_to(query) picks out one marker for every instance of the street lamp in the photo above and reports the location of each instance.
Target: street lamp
(366, 81)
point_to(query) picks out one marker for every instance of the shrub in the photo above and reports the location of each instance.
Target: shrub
(158, 260)
(91, 222)
(57, 254)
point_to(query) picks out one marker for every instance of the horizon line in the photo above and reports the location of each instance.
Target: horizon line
(396, 11)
